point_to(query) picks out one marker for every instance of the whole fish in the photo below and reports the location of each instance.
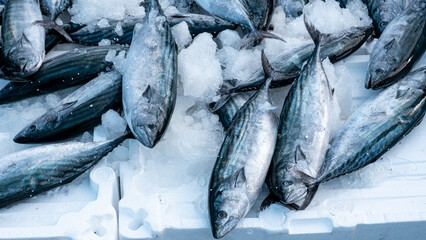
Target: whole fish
(75, 113)
(66, 70)
(303, 133)
(375, 127)
(227, 112)
(383, 12)
(242, 163)
(236, 11)
(399, 47)
(197, 23)
(53, 8)
(288, 64)
(150, 78)
(23, 39)
(292, 8)
(35, 170)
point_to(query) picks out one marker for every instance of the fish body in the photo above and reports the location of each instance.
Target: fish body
(23, 39)
(35, 170)
(53, 8)
(227, 112)
(84, 107)
(150, 78)
(399, 47)
(66, 70)
(303, 133)
(242, 163)
(383, 12)
(376, 126)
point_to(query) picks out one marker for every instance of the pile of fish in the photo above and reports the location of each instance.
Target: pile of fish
(293, 153)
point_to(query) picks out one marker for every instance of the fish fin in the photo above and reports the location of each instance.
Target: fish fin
(148, 93)
(222, 101)
(68, 105)
(401, 93)
(13, 78)
(49, 24)
(309, 196)
(419, 121)
(270, 72)
(240, 178)
(24, 40)
(268, 201)
(299, 154)
(255, 36)
(315, 34)
(389, 45)
(291, 206)
(406, 4)
(306, 179)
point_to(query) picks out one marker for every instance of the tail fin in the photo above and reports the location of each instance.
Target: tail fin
(315, 34)
(256, 36)
(275, 75)
(151, 4)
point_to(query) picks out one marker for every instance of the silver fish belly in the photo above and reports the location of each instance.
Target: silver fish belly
(149, 81)
(23, 39)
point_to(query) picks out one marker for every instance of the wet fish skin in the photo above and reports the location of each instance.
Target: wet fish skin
(197, 23)
(383, 12)
(261, 12)
(227, 112)
(242, 162)
(336, 47)
(32, 171)
(398, 48)
(23, 40)
(53, 8)
(150, 78)
(374, 128)
(304, 131)
(66, 70)
(84, 107)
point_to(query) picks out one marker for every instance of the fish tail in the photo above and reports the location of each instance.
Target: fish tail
(151, 5)
(274, 75)
(315, 34)
(256, 35)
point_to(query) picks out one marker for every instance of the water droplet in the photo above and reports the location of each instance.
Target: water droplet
(91, 105)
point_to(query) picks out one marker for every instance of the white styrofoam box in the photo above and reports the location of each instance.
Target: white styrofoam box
(82, 209)
(385, 200)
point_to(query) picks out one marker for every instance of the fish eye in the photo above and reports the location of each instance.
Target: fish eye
(32, 128)
(222, 214)
(287, 183)
(379, 71)
(152, 127)
(383, 24)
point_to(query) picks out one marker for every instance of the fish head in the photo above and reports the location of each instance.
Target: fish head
(24, 61)
(380, 69)
(228, 204)
(148, 123)
(38, 129)
(288, 187)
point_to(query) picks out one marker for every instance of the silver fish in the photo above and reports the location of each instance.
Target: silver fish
(375, 127)
(75, 113)
(227, 112)
(35, 170)
(66, 70)
(292, 8)
(53, 8)
(383, 12)
(304, 132)
(23, 39)
(242, 162)
(150, 78)
(236, 11)
(399, 47)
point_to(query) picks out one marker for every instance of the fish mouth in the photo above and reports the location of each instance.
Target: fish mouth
(21, 139)
(220, 230)
(143, 137)
(368, 82)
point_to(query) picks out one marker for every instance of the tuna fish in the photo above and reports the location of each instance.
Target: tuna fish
(227, 112)
(35, 170)
(53, 8)
(77, 112)
(23, 39)
(292, 8)
(383, 12)
(243, 162)
(303, 133)
(381, 122)
(399, 47)
(66, 70)
(150, 78)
